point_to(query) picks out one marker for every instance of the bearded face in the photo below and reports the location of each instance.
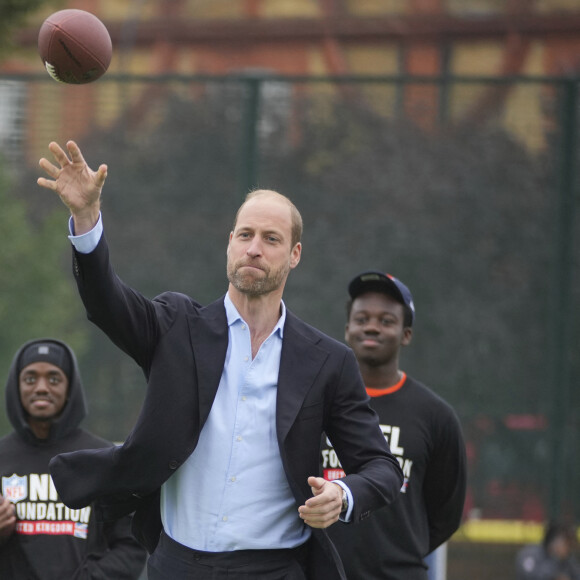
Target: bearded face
(260, 254)
(252, 278)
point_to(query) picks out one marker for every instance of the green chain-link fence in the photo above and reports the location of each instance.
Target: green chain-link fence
(464, 188)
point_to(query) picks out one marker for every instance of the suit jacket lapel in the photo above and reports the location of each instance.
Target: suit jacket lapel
(209, 339)
(300, 362)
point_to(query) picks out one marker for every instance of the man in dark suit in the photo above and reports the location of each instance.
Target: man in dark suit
(221, 465)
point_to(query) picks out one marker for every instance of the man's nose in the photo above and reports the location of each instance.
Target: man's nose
(255, 248)
(41, 385)
(371, 327)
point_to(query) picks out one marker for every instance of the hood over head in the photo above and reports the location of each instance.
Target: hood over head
(61, 355)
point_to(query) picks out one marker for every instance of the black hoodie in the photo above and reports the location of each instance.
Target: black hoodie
(53, 542)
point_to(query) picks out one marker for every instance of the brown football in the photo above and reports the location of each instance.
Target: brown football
(75, 46)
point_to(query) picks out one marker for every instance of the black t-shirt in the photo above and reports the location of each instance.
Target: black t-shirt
(424, 434)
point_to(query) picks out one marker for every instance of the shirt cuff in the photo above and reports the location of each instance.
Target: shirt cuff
(346, 517)
(86, 243)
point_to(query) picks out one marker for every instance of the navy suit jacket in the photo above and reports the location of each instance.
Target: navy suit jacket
(181, 347)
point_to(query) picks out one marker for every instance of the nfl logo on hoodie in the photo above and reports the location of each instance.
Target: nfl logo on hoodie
(15, 488)
(81, 531)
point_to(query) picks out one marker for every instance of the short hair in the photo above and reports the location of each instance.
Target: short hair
(407, 312)
(296, 218)
(555, 529)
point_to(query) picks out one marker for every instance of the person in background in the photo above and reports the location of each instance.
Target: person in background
(553, 559)
(222, 464)
(40, 538)
(423, 432)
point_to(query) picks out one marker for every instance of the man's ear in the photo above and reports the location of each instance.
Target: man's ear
(407, 336)
(295, 255)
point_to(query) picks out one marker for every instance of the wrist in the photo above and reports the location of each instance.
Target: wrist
(344, 506)
(86, 220)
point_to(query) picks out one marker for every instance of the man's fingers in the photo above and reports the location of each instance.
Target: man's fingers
(319, 520)
(323, 509)
(320, 487)
(316, 484)
(59, 155)
(51, 169)
(48, 183)
(101, 175)
(75, 152)
(321, 501)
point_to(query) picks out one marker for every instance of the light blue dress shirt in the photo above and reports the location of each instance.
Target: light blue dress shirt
(232, 492)
(233, 486)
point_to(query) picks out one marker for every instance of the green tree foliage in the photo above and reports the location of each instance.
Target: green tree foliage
(37, 295)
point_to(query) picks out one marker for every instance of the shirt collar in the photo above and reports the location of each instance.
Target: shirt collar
(233, 315)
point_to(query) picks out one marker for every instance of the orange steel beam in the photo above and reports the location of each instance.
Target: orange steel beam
(345, 29)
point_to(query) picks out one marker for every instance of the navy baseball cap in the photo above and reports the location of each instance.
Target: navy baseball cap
(375, 281)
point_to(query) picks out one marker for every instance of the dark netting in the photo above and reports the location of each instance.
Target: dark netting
(464, 189)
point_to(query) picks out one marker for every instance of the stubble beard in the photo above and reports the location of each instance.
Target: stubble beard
(252, 286)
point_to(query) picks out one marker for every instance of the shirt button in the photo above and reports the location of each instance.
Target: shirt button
(239, 438)
(244, 398)
(246, 358)
(233, 478)
(243, 327)
(225, 519)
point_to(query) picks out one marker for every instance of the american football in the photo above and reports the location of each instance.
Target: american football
(75, 46)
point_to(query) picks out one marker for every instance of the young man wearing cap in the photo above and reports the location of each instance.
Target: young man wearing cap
(422, 430)
(40, 538)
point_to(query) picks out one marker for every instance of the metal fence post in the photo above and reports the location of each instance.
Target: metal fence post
(249, 161)
(561, 312)
(437, 562)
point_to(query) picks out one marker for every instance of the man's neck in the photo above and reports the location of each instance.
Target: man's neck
(381, 377)
(41, 429)
(260, 312)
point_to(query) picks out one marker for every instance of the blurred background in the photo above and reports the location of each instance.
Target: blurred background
(433, 139)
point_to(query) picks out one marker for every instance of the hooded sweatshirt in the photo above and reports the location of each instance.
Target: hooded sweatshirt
(52, 541)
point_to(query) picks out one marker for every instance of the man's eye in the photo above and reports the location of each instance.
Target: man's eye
(54, 380)
(29, 380)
